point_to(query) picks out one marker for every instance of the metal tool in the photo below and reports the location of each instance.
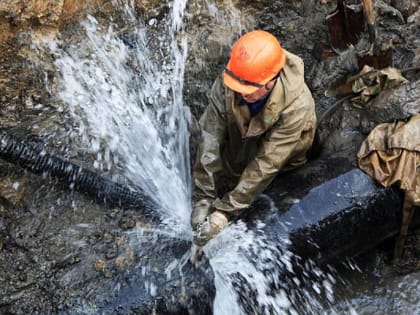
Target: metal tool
(345, 27)
(378, 55)
(345, 24)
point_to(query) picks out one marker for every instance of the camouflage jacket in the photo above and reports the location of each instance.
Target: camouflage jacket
(239, 155)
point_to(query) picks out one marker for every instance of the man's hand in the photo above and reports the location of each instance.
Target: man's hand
(199, 213)
(212, 225)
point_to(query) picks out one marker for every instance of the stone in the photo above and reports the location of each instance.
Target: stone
(397, 103)
(406, 7)
(99, 265)
(126, 223)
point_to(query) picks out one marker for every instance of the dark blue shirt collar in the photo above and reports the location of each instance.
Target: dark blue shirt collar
(255, 107)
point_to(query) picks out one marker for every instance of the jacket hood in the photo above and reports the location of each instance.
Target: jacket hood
(292, 79)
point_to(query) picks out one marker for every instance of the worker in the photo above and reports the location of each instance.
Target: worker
(260, 120)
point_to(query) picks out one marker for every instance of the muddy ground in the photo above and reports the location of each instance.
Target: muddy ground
(54, 240)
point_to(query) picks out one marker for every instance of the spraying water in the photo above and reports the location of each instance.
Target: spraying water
(125, 93)
(130, 107)
(258, 275)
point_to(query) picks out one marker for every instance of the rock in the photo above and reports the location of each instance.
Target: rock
(67, 260)
(397, 103)
(111, 252)
(120, 262)
(406, 7)
(99, 265)
(126, 223)
(414, 19)
(44, 12)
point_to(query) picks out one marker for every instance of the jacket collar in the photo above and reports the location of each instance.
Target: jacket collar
(287, 88)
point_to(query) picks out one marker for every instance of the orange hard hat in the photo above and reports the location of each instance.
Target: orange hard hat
(256, 58)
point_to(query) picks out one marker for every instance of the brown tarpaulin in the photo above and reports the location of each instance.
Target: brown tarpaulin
(391, 155)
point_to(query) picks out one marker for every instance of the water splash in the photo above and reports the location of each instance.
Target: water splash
(129, 108)
(126, 95)
(254, 275)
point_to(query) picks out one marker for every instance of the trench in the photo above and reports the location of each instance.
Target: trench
(123, 90)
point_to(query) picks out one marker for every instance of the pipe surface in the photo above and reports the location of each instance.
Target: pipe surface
(331, 210)
(38, 162)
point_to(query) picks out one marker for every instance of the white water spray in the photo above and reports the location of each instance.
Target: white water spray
(254, 275)
(128, 106)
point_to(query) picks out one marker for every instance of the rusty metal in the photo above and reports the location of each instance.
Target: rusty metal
(377, 58)
(345, 27)
(378, 55)
(345, 24)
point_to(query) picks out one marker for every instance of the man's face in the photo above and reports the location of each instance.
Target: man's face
(260, 93)
(253, 97)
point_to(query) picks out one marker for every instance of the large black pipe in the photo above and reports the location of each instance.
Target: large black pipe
(38, 161)
(330, 209)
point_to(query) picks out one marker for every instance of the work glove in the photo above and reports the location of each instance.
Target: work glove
(199, 213)
(212, 225)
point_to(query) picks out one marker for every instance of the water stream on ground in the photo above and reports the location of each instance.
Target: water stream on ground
(124, 91)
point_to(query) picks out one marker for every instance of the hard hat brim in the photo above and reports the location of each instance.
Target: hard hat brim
(245, 89)
(237, 86)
